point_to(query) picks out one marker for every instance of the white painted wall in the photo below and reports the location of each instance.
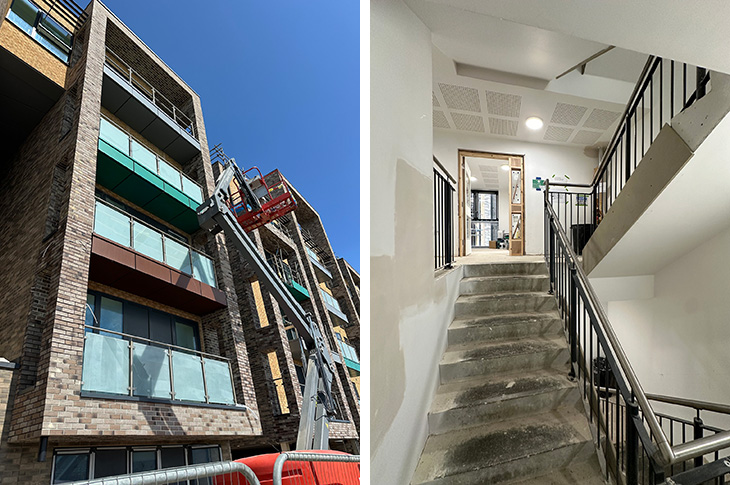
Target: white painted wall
(411, 308)
(541, 160)
(677, 340)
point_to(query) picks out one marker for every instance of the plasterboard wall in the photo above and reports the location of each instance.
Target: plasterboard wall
(677, 340)
(541, 160)
(411, 308)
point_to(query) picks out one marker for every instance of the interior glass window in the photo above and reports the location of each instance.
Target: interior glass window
(111, 316)
(186, 335)
(144, 460)
(108, 463)
(160, 328)
(135, 320)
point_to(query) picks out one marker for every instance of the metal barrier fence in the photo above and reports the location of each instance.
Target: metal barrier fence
(443, 203)
(219, 473)
(298, 468)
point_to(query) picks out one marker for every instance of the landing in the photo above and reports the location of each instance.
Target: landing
(485, 256)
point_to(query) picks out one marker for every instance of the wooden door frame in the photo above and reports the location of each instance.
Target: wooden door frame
(462, 154)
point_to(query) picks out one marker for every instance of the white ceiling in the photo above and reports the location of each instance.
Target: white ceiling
(490, 74)
(693, 32)
(488, 174)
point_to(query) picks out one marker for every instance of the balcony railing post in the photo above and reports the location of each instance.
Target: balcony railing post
(131, 368)
(573, 330)
(698, 431)
(701, 86)
(172, 374)
(627, 156)
(205, 382)
(551, 260)
(632, 444)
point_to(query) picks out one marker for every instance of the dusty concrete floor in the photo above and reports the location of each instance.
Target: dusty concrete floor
(481, 256)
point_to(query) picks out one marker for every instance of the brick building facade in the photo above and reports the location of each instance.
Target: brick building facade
(132, 337)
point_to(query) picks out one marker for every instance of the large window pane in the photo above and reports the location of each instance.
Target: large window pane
(218, 379)
(186, 335)
(151, 371)
(172, 457)
(188, 373)
(135, 320)
(23, 14)
(114, 136)
(192, 190)
(144, 461)
(53, 37)
(170, 174)
(111, 316)
(203, 269)
(177, 256)
(147, 241)
(160, 327)
(106, 365)
(144, 156)
(108, 463)
(203, 455)
(111, 224)
(69, 468)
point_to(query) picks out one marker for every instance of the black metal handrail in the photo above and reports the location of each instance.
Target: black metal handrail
(657, 97)
(443, 195)
(633, 432)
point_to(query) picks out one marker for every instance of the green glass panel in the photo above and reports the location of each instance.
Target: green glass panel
(218, 379)
(147, 241)
(112, 224)
(114, 136)
(151, 370)
(23, 14)
(144, 156)
(187, 370)
(192, 190)
(170, 174)
(203, 269)
(177, 256)
(106, 365)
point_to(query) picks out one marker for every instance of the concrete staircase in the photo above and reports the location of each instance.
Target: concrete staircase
(505, 411)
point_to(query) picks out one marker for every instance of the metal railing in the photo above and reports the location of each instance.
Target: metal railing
(223, 472)
(118, 226)
(288, 272)
(148, 90)
(443, 235)
(116, 363)
(123, 141)
(665, 88)
(635, 434)
(298, 468)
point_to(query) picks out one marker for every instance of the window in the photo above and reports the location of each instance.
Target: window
(77, 464)
(44, 29)
(121, 316)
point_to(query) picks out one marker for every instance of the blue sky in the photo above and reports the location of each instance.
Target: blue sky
(280, 88)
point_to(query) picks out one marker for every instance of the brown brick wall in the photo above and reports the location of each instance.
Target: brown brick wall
(30, 51)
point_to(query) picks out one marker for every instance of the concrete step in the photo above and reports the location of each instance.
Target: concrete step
(504, 326)
(494, 358)
(475, 401)
(473, 285)
(507, 450)
(524, 302)
(586, 473)
(496, 269)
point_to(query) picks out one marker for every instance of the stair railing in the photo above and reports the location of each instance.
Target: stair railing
(628, 431)
(664, 89)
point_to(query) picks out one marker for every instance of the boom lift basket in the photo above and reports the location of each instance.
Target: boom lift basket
(273, 199)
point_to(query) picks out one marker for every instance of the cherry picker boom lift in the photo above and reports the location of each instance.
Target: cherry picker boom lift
(240, 204)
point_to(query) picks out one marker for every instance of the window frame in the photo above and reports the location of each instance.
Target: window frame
(44, 32)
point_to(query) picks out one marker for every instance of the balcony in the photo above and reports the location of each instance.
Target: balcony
(136, 257)
(333, 306)
(139, 104)
(291, 278)
(317, 263)
(117, 364)
(132, 170)
(349, 356)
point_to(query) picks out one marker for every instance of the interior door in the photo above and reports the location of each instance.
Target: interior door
(485, 218)
(516, 206)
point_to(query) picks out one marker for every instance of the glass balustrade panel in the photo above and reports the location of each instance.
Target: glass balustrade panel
(148, 241)
(192, 190)
(218, 379)
(177, 256)
(151, 371)
(203, 269)
(112, 224)
(187, 371)
(170, 174)
(114, 136)
(106, 365)
(144, 156)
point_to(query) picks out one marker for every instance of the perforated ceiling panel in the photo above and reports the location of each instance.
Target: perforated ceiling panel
(502, 127)
(585, 137)
(439, 120)
(557, 133)
(502, 104)
(568, 114)
(490, 176)
(468, 122)
(601, 119)
(435, 101)
(460, 97)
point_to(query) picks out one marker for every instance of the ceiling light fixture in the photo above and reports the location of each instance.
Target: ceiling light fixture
(504, 167)
(473, 178)
(533, 123)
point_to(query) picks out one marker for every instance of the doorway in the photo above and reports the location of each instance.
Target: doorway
(491, 202)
